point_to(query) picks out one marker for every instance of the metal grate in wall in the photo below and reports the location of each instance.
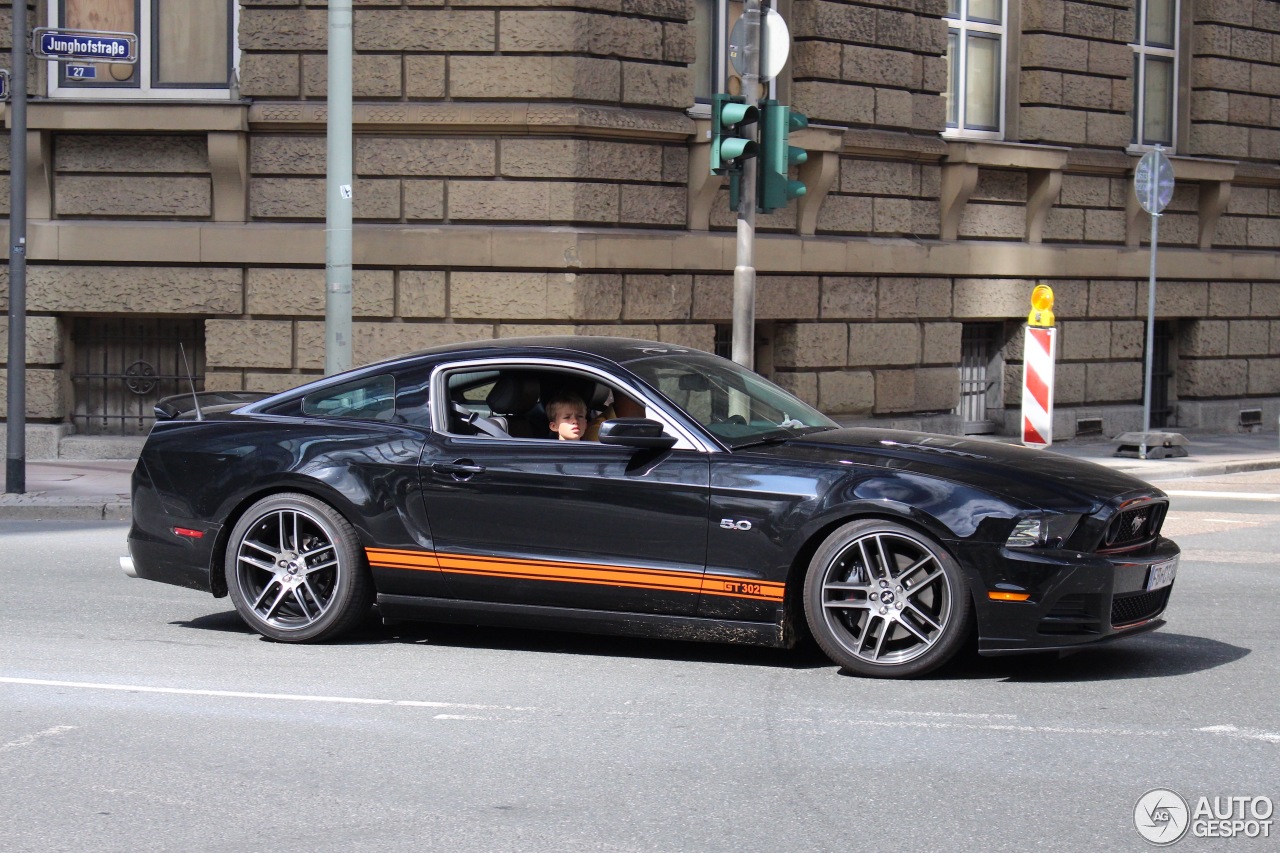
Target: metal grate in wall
(979, 346)
(1161, 374)
(123, 366)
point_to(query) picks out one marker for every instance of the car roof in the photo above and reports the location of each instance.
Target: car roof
(618, 350)
(614, 349)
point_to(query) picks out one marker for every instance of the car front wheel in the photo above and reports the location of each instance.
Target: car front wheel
(295, 571)
(886, 601)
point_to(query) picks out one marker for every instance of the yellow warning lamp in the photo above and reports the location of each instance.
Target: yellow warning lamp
(1041, 307)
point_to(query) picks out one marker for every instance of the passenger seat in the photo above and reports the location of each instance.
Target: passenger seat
(511, 398)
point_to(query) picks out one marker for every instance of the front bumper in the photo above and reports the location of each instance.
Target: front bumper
(1074, 599)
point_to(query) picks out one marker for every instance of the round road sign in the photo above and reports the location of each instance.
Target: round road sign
(1153, 181)
(775, 45)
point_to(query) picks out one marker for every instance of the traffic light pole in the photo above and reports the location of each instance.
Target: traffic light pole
(744, 271)
(16, 397)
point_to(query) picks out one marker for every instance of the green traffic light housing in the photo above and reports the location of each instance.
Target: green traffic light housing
(775, 189)
(730, 117)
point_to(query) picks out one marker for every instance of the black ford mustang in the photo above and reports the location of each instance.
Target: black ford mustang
(431, 486)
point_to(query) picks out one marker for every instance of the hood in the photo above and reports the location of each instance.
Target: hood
(1034, 477)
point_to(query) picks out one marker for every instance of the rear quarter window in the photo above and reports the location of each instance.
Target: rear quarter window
(369, 398)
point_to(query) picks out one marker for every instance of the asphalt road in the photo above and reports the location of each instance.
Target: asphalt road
(136, 716)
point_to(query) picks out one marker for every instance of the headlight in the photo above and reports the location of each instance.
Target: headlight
(1043, 531)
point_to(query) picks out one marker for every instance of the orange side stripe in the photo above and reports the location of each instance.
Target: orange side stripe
(519, 562)
(583, 573)
(569, 571)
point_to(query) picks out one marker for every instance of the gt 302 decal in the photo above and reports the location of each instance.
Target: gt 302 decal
(566, 572)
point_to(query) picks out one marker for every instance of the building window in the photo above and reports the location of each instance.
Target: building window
(186, 49)
(975, 67)
(1155, 72)
(706, 24)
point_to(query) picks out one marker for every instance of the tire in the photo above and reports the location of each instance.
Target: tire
(295, 570)
(886, 601)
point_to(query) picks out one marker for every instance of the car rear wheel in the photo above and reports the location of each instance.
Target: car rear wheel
(885, 600)
(295, 571)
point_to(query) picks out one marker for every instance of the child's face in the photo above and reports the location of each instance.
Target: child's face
(569, 422)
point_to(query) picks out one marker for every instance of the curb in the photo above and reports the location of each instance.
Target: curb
(1208, 469)
(38, 507)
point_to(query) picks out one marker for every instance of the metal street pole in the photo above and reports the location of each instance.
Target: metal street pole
(338, 192)
(744, 273)
(1153, 197)
(15, 480)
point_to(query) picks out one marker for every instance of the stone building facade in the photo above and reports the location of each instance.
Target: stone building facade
(540, 166)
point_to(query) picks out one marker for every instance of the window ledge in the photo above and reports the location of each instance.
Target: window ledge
(149, 115)
(1006, 155)
(1202, 169)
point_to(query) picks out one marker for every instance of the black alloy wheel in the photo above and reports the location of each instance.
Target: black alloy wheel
(885, 600)
(296, 571)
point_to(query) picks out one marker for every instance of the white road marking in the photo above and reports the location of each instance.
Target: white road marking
(30, 739)
(1245, 734)
(938, 719)
(1237, 496)
(237, 694)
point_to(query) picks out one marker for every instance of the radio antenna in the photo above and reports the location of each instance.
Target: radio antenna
(195, 399)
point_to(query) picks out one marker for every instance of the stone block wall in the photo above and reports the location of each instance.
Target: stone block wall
(47, 394)
(470, 179)
(1231, 351)
(862, 346)
(141, 177)
(865, 64)
(879, 346)
(634, 53)
(278, 342)
(1250, 220)
(882, 197)
(1235, 80)
(1077, 66)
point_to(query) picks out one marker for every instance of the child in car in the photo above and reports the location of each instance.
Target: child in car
(567, 416)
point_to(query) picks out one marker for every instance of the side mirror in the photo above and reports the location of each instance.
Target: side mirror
(636, 432)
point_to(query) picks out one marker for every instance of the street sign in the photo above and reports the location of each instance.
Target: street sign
(84, 45)
(1153, 181)
(775, 45)
(4, 84)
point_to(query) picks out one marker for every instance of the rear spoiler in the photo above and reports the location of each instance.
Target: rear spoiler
(181, 404)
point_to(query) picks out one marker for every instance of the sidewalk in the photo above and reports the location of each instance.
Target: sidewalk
(72, 490)
(77, 490)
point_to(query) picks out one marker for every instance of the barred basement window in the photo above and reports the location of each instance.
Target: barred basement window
(1155, 72)
(975, 68)
(186, 49)
(123, 366)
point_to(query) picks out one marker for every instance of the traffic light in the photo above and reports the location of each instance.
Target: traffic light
(776, 157)
(730, 117)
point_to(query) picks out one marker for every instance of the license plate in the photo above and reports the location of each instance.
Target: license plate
(1162, 574)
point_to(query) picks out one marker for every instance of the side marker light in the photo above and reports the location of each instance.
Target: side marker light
(1008, 596)
(189, 533)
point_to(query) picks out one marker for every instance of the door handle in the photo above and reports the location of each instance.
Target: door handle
(461, 469)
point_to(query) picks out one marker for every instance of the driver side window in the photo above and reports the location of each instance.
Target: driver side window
(499, 402)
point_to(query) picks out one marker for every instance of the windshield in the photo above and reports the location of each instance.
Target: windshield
(730, 402)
